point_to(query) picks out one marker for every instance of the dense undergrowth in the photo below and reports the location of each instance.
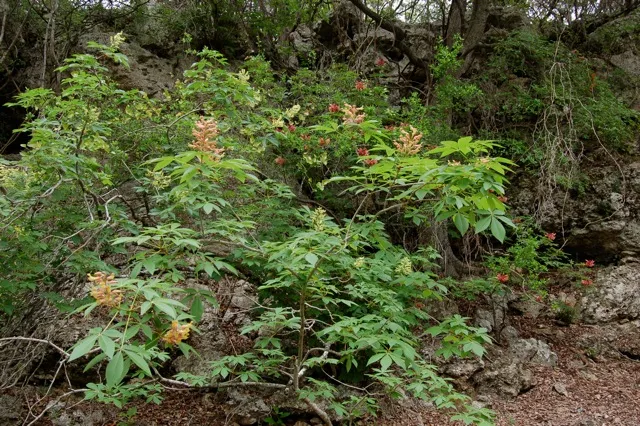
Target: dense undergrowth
(309, 188)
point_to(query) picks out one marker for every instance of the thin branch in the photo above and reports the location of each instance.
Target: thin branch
(31, 339)
(319, 411)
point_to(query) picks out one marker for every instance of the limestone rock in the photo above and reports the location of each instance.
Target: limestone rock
(616, 296)
(508, 376)
(463, 368)
(509, 334)
(504, 378)
(532, 351)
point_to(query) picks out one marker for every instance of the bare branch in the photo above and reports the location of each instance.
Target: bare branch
(31, 339)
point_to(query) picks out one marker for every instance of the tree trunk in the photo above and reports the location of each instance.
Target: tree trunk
(455, 21)
(475, 32)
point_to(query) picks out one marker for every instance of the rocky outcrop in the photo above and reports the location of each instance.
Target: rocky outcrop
(617, 35)
(628, 61)
(219, 328)
(616, 296)
(147, 71)
(597, 218)
(508, 376)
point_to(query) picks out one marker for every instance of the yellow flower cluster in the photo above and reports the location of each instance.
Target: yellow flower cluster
(177, 333)
(102, 291)
(205, 133)
(158, 179)
(352, 114)
(8, 174)
(278, 123)
(404, 267)
(292, 112)
(116, 41)
(317, 219)
(409, 142)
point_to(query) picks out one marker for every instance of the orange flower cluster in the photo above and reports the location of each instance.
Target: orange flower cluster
(102, 291)
(177, 333)
(352, 114)
(409, 143)
(205, 133)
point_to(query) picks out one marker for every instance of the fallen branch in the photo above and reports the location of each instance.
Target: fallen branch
(31, 339)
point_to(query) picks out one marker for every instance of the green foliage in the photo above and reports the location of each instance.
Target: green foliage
(564, 312)
(453, 95)
(529, 257)
(277, 418)
(543, 84)
(183, 191)
(462, 189)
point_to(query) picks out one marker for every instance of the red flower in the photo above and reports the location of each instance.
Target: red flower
(381, 62)
(551, 235)
(305, 137)
(360, 85)
(590, 263)
(324, 142)
(503, 278)
(586, 282)
(503, 199)
(334, 108)
(362, 152)
(370, 162)
(291, 128)
(280, 161)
